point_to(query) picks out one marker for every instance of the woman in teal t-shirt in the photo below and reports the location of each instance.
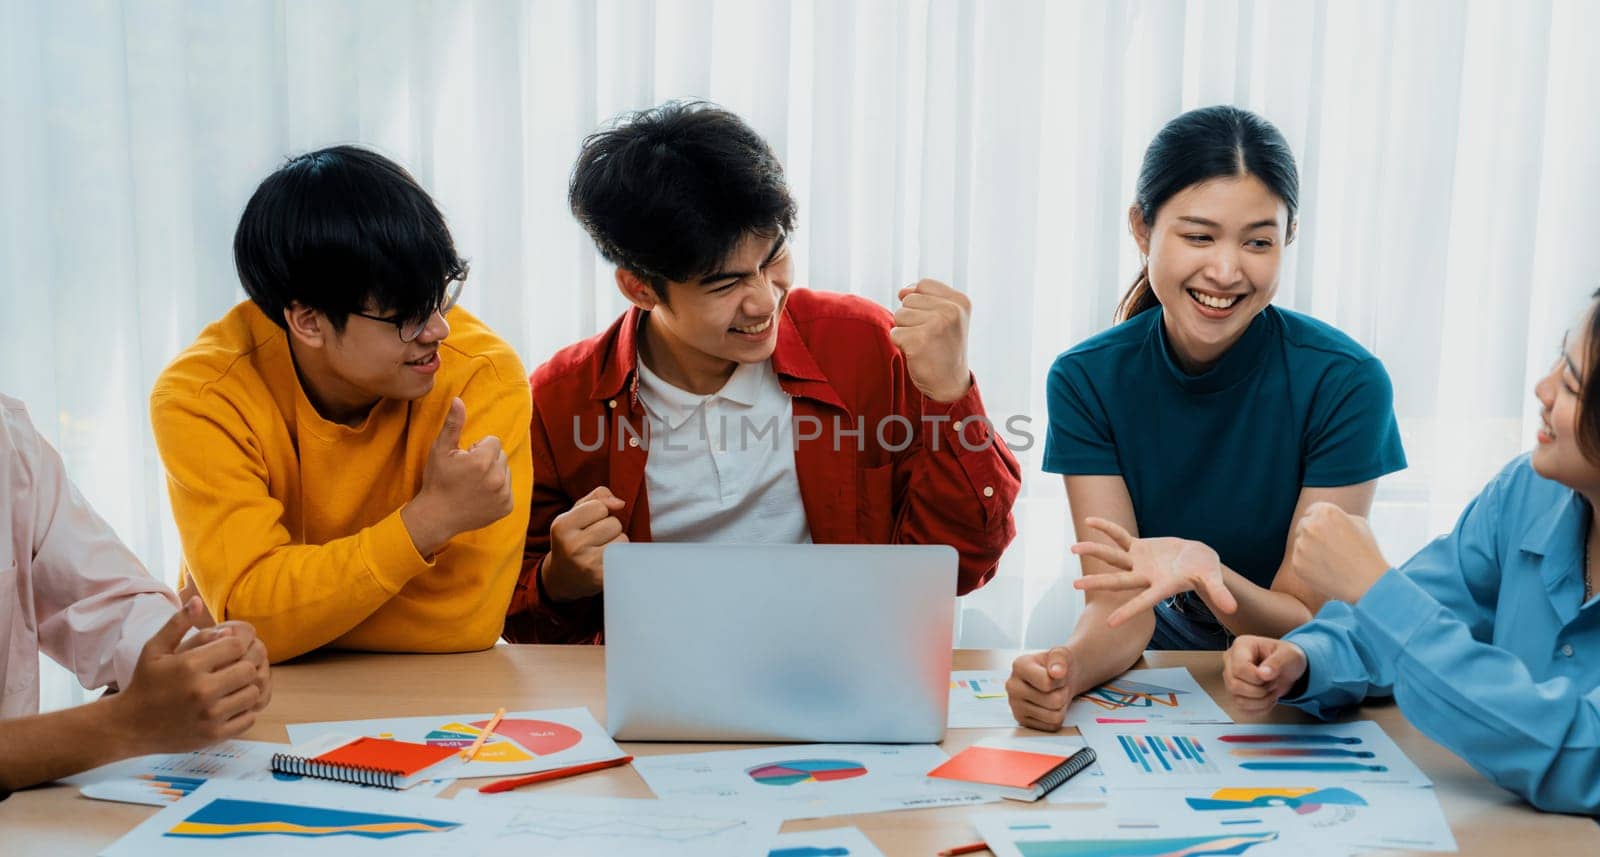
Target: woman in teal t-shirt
(1193, 433)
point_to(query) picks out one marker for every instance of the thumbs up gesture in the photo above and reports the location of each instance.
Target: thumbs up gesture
(930, 329)
(186, 695)
(462, 489)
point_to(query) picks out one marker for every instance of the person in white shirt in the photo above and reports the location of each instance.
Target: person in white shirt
(70, 589)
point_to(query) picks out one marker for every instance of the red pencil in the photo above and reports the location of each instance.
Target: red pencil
(964, 849)
(558, 773)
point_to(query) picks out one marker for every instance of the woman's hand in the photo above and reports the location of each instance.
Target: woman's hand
(1259, 671)
(1162, 567)
(1336, 554)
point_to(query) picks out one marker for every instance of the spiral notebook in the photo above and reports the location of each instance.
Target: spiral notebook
(1010, 773)
(367, 761)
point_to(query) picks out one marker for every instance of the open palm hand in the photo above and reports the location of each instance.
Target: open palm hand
(1160, 567)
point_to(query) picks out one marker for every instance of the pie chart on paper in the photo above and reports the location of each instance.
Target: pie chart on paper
(523, 739)
(806, 771)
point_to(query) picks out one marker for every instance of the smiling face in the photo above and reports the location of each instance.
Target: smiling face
(344, 373)
(1214, 251)
(1557, 455)
(706, 327)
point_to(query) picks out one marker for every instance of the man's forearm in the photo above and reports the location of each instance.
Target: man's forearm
(45, 747)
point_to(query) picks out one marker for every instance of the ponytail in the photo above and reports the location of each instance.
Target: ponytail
(1139, 297)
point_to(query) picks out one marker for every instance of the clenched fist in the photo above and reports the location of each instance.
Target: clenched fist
(930, 329)
(1336, 554)
(1258, 671)
(578, 537)
(1040, 688)
(187, 694)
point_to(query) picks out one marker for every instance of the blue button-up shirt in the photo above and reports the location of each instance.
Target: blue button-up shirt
(1484, 642)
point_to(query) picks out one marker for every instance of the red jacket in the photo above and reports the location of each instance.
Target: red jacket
(835, 359)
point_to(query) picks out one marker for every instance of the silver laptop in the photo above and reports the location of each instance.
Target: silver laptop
(778, 642)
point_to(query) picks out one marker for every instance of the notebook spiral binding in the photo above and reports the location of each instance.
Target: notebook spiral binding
(1080, 760)
(364, 775)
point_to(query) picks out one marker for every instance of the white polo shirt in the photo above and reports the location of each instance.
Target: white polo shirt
(721, 467)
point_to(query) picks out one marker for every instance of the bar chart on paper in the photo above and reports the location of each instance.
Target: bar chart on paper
(1156, 755)
(1200, 754)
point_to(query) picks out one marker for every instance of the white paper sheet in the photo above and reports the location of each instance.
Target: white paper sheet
(1087, 834)
(1165, 695)
(1182, 755)
(1358, 817)
(833, 842)
(161, 779)
(809, 780)
(978, 700)
(548, 824)
(270, 819)
(525, 741)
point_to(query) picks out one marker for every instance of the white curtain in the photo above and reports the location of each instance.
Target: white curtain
(1445, 148)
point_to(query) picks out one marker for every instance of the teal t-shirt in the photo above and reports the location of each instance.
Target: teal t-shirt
(1220, 457)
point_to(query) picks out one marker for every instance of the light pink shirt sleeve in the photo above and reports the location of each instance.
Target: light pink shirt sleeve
(69, 588)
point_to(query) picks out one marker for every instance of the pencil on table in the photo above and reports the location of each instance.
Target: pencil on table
(467, 754)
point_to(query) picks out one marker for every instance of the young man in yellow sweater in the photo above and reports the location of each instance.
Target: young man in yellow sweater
(347, 451)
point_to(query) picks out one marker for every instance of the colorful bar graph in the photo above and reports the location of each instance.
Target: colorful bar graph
(1167, 754)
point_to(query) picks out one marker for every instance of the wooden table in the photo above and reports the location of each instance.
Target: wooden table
(55, 820)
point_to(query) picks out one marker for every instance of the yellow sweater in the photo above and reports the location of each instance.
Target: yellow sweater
(292, 522)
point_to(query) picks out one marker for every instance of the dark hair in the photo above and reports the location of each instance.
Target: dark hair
(1201, 145)
(1589, 397)
(668, 192)
(338, 227)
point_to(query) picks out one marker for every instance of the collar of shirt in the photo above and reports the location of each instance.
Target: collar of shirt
(1243, 359)
(796, 369)
(674, 406)
(1557, 535)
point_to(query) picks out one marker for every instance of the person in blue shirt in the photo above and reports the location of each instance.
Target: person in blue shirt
(1194, 432)
(1489, 638)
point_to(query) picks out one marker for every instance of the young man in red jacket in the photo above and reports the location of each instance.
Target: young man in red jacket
(727, 406)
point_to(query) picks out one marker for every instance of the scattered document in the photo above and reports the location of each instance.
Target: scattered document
(269, 819)
(1082, 834)
(1198, 754)
(833, 842)
(978, 700)
(546, 824)
(1357, 817)
(1166, 695)
(809, 780)
(525, 742)
(166, 778)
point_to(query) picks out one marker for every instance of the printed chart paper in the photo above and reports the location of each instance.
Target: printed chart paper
(270, 819)
(1183, 755)
(809, 780)
(160, 779)
(621, 827)
(1359, 817)
(978, 700)
(525, 742)
(1166, 695)
(1083, 834)
(833, 842)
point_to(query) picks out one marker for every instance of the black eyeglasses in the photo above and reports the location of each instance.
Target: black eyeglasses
(410, 329)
